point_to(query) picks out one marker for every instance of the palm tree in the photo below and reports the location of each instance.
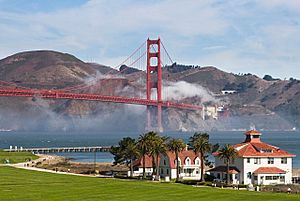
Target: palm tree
(143, 148)
(176, 145)
(126, 152)
(201, 145)
(158, 147)
(144, 145)
(227, 153)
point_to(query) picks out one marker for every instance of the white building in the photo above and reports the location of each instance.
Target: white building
(189, 164)
(256, 163)
(225, 92)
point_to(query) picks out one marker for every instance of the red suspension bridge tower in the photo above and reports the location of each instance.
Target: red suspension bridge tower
(154, 68)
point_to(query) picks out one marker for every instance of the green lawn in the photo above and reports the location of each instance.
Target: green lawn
(18, 184)
(16, 157)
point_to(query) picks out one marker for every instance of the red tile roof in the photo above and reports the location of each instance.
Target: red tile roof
(260, 149)
(139, 162)
(254, 147)
(269, 170)
(182, 156)
(171, 155)
(222, 168)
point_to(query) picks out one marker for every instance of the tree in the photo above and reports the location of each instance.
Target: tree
(125, 153)
(158, 147)
(201, 146)
(143, 149)
(176, 145)
(227, 153)
(144, 146)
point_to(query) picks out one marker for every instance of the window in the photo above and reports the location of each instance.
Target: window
(266, 150)
(218, 176)
(248, 160)
(256, 160)
(269, 177)
(187, 161)
(255, 177)
(179, 162)
(197, 171)
(275, 177)
(283, 160)
(167, 171)
(270, 160)
(197, 161)
(249, 175)
(161, 171)
(164, 162)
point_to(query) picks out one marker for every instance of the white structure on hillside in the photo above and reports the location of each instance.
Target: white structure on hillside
(189, 164)
(256, 163)
(224, 92)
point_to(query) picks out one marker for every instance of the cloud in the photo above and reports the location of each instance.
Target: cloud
(261, 33)
(271, 4)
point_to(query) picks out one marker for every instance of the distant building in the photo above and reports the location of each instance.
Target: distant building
(224, 92)
(256, 163)
(189, 164)
(211, 112)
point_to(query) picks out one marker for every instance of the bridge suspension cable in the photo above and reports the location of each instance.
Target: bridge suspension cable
(107, 78)
(107, 73)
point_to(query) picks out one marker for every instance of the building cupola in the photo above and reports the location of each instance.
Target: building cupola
(252, 136)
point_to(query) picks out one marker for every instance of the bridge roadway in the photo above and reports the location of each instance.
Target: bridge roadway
(93, 97)
(62, 149)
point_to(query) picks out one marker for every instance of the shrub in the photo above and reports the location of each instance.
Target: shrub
(208, 177)
(206, 183)
(189, 182)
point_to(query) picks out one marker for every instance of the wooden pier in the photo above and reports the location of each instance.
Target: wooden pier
(60, 149)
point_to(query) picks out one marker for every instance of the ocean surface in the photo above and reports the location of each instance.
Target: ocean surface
(289, 141)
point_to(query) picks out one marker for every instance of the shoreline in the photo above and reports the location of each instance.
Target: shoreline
(63, 165)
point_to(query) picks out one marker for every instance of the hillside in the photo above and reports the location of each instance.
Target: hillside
(268, 104)
(255, 96)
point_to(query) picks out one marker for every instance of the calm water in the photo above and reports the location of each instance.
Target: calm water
(289, 141)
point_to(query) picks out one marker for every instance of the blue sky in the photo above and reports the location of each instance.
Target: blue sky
(240, 36)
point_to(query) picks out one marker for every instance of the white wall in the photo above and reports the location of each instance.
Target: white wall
(244, 167)
(251, 167)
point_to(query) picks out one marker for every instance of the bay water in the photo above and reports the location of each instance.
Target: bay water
(289, 141)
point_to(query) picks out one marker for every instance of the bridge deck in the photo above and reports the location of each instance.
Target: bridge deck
(62, 149)
(94, 97)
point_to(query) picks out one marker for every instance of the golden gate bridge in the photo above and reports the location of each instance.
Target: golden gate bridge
(154, 78)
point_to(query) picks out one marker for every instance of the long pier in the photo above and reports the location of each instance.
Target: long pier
(60, 149)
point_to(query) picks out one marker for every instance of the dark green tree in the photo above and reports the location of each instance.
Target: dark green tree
(126, 152)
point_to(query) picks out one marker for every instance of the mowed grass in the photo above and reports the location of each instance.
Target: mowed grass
(18, 184)
(16, 157)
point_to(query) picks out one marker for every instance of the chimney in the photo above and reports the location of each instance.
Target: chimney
(186, 147)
